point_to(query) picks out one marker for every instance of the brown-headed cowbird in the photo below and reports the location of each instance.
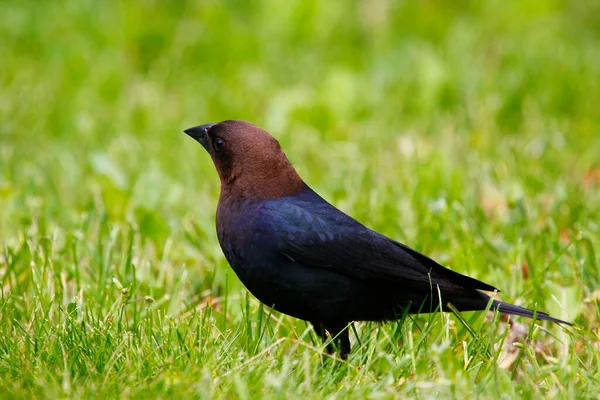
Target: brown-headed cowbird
(302, 256)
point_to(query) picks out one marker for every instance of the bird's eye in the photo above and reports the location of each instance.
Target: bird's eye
(218, 144)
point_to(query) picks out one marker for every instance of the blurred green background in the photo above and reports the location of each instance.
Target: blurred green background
(468, 129)
(95, 95)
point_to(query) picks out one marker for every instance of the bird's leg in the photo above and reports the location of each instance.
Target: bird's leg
(322, 333)
(341, 338)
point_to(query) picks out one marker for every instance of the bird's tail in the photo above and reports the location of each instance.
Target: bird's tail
(479, 301)
(516, 310)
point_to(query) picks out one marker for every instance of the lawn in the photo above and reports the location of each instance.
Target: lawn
(469, 130)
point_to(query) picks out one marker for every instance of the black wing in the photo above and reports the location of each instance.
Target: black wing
(317, 234)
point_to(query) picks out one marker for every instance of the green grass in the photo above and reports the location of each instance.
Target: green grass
(469, 131)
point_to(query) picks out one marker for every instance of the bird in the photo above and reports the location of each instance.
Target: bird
(303, 257)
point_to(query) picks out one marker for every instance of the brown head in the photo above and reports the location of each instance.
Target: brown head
(250, 162)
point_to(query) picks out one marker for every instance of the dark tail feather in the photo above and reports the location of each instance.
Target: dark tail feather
(516, 310)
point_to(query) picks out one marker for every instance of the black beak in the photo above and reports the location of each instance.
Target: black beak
(200, 133)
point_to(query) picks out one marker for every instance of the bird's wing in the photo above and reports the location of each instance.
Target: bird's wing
(317, 234)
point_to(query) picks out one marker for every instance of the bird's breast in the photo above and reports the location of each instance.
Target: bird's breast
(235, 220)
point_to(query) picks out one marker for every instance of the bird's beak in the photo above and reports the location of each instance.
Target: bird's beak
(200, 133)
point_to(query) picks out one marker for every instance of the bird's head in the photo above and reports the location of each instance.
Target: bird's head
(250, 161)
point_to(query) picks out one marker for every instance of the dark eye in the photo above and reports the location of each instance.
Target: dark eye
(218, 144)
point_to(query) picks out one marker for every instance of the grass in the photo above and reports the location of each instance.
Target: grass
(468, 130)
